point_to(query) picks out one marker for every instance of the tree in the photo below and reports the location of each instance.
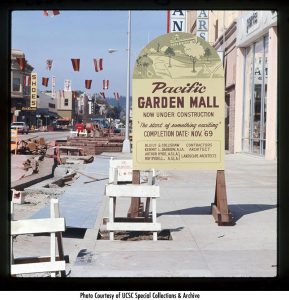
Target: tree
(158, 47)
(143, 62)
(207, 53)
(170, 52)
(194, 51)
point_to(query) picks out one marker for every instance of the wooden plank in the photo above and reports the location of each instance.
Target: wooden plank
(52, 234)
(133, 226)
(26, 260)
(134, 209)
(69, 148)
(132, 190)
(38, 267)
(220, 208)
(128, 219)
(55, 208)
(37, 226)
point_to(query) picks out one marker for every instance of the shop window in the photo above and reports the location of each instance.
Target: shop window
(255, 98)
(16, 84)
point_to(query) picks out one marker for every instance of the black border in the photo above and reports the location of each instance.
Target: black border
(97, 284)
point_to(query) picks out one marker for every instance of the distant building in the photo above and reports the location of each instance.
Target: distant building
(20, 93)
(46, 109)
(64, 104)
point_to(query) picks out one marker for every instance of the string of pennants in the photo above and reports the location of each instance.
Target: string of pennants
(98, 65)
(51, 13)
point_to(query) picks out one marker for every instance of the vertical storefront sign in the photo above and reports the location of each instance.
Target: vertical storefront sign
(53, 83)
(177, 21)
(33, 90)
(67, 85)
(178, 105)
(202, 24)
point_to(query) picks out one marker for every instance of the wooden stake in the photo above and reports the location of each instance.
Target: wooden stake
(56, 214)
(134, 210)
(219, 208)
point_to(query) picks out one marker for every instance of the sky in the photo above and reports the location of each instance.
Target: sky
(85, 35)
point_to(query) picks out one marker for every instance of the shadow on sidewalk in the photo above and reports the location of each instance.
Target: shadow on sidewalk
(237, 210)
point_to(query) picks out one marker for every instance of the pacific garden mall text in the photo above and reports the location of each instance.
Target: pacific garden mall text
(178, 101)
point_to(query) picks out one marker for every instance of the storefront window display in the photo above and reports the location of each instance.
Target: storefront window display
(255, 94)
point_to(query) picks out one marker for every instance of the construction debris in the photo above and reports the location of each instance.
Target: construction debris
(32, 146)
(71, 159)
(31, 163)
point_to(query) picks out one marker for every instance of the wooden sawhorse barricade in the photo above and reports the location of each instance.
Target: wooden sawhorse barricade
(120, 172)
(14, 140)
(53, 225)
(114, 191)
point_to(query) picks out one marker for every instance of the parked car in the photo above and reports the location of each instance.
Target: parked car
(21, 126)
(102, 122)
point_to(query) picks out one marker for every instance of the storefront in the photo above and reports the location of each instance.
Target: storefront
(256, 84)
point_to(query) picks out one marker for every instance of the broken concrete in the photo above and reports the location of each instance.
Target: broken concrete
(22, 178)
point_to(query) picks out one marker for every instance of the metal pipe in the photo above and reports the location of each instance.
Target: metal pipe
(126, 142)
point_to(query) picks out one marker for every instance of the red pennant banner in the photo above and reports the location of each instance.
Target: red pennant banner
(75, 63)
(105, 84)
(45, 81)
(27, 80)
(49, 64)
(102, 94)
(21, 62)
(88, 84)
(51, 13)
(98, 64)
(116, 95)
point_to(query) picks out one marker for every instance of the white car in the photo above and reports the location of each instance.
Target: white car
(21, 126)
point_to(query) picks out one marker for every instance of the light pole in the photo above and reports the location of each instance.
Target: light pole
(126, 142)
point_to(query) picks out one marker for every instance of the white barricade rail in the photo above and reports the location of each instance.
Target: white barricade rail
(14, 140)
(120, 170)
(75, 133)
(53, 225)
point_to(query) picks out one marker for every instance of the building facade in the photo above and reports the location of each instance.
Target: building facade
(256, 99)
(20, 90)
(46, 111)
(247, 43)
(64, 104)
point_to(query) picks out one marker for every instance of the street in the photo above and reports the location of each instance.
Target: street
(48, 136)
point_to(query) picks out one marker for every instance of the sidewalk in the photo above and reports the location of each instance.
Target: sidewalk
(199, 247)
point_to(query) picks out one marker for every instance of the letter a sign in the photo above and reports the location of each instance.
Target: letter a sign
(178, 105)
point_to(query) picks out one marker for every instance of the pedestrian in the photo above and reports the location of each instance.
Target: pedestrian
(56, 158)
(79, 127)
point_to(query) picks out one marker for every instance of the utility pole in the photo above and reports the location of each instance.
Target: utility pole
(126, 142)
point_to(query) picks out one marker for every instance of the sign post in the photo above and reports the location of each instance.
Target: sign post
(178, 105)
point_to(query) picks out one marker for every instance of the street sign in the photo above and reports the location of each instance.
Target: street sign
(178, 105)
(33, 90)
